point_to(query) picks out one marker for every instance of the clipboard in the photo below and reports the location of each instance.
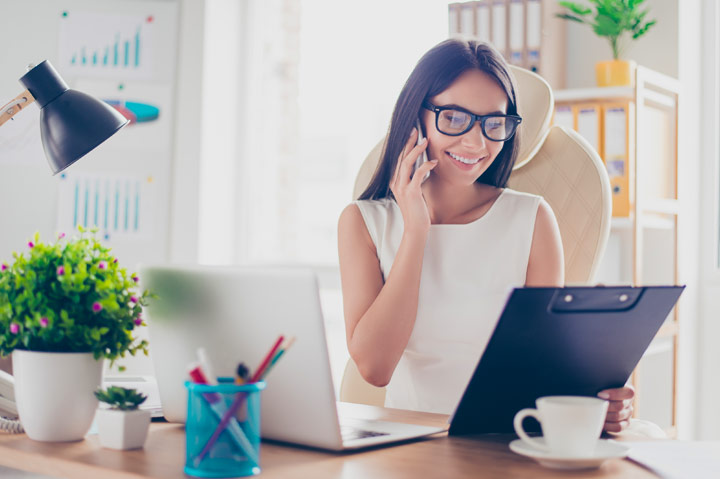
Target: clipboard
(560, 341)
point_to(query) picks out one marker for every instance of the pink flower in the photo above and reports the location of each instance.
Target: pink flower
(135, 278)
(61, 235)
(97, 307)
(3, 267)
(14, 328)
(133, 299)
(102, 264)
(61, 270)
(138, 321)
(43, 322)
(115, 260)
(31, 244)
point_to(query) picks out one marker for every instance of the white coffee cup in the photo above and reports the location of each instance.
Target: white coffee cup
(571, 425)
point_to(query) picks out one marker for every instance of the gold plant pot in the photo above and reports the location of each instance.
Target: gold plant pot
(615, 73)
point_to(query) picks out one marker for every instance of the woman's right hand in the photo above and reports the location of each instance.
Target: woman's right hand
(406, 186)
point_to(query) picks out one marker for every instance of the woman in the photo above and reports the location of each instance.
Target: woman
(426, 265)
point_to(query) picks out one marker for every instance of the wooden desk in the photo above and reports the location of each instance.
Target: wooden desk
(164, 457)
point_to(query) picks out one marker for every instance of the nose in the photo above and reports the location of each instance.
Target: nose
(475, 138)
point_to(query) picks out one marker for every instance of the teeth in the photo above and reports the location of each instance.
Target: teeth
(467, 161)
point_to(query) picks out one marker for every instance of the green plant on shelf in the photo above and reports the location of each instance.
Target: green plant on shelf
(610, 19)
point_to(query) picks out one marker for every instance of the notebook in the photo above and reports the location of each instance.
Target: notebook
(560, 341)
(236, 314)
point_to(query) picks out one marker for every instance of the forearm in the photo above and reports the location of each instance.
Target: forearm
(383, 331)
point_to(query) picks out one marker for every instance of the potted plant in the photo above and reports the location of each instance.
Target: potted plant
(612, 19)
(122, 425)
(64, 307)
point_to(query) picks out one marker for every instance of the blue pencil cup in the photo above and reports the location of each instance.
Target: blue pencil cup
(235, 451)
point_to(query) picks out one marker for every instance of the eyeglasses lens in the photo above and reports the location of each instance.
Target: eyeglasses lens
(455, 122)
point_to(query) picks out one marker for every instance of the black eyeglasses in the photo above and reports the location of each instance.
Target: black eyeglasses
(453, 122)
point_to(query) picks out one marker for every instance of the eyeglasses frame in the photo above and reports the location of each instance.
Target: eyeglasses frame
(475, 118)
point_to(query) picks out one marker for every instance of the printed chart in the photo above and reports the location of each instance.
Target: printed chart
(117, 206)
(101, 45)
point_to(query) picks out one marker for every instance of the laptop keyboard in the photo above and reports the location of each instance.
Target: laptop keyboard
(350, 433)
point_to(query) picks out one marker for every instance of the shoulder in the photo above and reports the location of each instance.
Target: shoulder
(519, 201)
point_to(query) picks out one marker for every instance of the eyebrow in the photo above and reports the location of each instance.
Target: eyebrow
(458, 107)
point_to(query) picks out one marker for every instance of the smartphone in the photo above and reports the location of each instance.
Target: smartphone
(423, 157)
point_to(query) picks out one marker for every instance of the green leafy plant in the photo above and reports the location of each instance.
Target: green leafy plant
(122, 399)
(610, 19)
(70, 296)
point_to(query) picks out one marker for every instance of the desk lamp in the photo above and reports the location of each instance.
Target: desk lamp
(72, 123)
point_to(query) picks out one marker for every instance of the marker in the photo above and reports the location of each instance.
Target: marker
(241, 374)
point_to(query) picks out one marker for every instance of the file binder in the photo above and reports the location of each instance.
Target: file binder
(499, 26)
(616, 117)
(588, 124)
(517, 32)
(564, 117)
(533, 34)
(467, 20)
(482, 20)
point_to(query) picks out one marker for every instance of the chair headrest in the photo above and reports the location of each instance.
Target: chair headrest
(535, 105)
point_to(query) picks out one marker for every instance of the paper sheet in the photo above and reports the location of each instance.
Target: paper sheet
(678, 459)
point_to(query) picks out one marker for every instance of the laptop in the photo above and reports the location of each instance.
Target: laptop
(560, 341)
(236, 314)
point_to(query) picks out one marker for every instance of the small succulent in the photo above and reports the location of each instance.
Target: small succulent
(119, 398)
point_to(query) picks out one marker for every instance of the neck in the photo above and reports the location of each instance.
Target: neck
(447, 201)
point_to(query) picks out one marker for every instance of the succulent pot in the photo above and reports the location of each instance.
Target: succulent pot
(615, 73)
(122, 429)
(54, 393)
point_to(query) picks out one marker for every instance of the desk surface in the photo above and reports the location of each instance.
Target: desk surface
(164, 456)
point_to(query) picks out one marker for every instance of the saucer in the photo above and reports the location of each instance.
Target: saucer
(605, 449)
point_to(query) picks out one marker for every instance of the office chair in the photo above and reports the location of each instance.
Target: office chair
(553, 162)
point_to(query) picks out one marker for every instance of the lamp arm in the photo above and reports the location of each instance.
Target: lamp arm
(15, 105)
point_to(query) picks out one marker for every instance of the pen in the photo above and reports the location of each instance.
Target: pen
(240, 398)
(279, 354)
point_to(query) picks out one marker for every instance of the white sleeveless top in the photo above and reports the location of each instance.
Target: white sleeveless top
(467, 273)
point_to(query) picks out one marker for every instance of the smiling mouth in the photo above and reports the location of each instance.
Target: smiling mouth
(466, 161)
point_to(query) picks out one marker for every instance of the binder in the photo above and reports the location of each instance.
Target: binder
(588, 124)
(533, 34)
(453, 19)
(467, 19)
(615, 119)
(564, 117)
(499, 27)
(517, 32)
(482, 20)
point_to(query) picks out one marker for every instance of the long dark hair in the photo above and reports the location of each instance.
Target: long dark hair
(433, 74)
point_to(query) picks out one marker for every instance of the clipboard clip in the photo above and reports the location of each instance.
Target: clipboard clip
(598, 299)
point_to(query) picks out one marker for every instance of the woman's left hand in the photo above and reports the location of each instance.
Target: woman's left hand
(620, 408)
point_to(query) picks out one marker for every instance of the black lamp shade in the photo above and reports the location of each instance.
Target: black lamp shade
(72, 123)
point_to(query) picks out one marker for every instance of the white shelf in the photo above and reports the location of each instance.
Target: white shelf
(589, 94)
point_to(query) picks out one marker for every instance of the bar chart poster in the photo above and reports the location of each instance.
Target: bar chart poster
(106, 45)
(119, 206)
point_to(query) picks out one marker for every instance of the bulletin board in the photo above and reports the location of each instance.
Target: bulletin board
(125, 53)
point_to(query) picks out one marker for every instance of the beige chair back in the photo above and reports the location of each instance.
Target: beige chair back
(565, 170)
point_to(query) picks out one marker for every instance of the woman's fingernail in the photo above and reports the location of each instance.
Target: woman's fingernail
(604, 395)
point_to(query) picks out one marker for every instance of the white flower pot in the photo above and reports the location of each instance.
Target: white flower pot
(54, 393)
(122, 429)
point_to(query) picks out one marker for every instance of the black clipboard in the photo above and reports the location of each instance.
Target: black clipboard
(560, 341)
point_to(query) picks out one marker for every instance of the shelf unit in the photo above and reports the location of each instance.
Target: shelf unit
(526, 32)
(646, 227)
